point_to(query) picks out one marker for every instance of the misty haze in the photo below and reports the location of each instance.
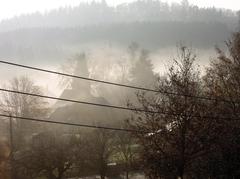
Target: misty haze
(139, 89)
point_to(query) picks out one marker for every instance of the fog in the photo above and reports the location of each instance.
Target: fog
(149, 44)
(105, 34)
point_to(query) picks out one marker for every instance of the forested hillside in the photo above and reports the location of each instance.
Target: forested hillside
(60, 33)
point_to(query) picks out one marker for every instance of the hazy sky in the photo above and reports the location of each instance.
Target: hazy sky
(10, 8)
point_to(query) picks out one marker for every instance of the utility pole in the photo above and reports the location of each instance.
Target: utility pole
(11, 147)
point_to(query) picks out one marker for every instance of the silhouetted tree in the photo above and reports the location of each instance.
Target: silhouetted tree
(127, 151)
(50, 155)
(4, 160)
(222, 82)
(101, 147)
(24, 106)
(176, 137)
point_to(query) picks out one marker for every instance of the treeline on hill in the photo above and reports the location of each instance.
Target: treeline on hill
(152, 23)
(56, 43)
(190, 128)
(96, 13)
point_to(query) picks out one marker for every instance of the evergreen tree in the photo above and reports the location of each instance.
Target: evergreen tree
(142, 72)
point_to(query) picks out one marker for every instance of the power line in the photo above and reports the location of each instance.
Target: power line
(112, 83)
(112, 106)
(76, 101)
(69, 124)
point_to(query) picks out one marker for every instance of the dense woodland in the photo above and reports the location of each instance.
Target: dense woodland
(57, 34)
(99, 13)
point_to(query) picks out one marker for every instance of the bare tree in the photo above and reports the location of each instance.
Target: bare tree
(23, 106)
(101, 147)
(127, 150)
(4, 160)
(49, 155)
(222, 81)
(80, 150)
(176, 137)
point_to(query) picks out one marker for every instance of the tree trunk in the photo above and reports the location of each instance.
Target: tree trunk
(127, 174)
(103, 173)
(181, 170)
(180, 176)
